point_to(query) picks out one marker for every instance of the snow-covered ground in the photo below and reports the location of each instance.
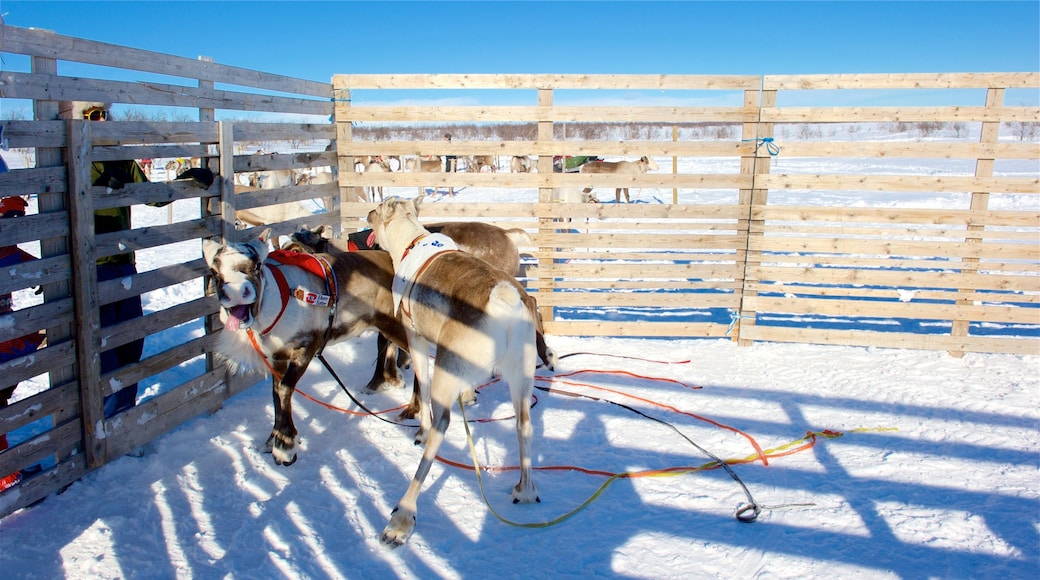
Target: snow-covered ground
(935, 473)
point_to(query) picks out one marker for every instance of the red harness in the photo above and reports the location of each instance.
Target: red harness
(313, 264)
(310, 263)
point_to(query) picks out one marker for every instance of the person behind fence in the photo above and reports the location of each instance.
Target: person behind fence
(451, 162)
(12, 207)
(114, 175)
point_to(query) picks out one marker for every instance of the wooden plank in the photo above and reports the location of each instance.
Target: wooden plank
(87, 322)
(42, 446)
(895, 340)
(892, 309)
(160, 414)
(17, 85)
(643, 329)
(279, 161)
(47, 358)
(644, 271)
(796, 290)
(148, 193)
(901, 81)
(44, 484)
(246, 131)
(556, 114)
(789, 276)
(650, 300)
(254, 198)
(898, 114)
(34, 42)
(117, 133)
(896, 231)
(34, 274)
(32, 181)
(534, 180)
(897, 248)
(607, 240)
(152, 236)
(814, 214)
(913, 150)
(138, 328)
(141, 283)
(540, 81)
(817, 182)
(504, 149)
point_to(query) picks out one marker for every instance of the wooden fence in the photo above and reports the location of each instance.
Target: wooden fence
(745, 244)
(873, 267)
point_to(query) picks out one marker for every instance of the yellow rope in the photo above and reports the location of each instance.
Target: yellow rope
(632, 474)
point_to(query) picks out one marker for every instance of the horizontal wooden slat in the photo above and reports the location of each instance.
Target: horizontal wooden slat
(647, 329)
(891, 309)
(42, 43)
(897, 114)
(506, 149)
(817, 182)
(1023, 346)
(558, 114)
(54, 87)
(883, 215)
(901, 81)
(506, 81)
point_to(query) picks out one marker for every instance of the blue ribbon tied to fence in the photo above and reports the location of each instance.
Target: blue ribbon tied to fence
(770, 144)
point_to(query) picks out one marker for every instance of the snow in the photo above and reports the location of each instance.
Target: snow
(935, 473)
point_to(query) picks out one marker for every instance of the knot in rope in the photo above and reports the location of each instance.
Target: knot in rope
(771, 147)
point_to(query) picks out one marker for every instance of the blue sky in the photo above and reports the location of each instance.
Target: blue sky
(315, 40)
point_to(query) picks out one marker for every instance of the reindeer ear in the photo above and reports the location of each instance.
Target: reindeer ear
(265, 236)
(418, 201)
(209, 251)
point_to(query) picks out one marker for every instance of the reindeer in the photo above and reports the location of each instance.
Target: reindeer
(478, 163)
(522, 164)
(620, 167)
(419, 165)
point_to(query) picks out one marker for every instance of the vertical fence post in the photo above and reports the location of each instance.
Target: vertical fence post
(50, 247)
(344, 135)
(752, 229)
(675, 165)
(85, 292)
(979, 202)
(545, 197)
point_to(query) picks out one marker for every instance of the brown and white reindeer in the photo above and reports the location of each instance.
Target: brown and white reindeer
(280, 309)
(475, 320)
(494, 245)
(419, 165)
(482, 164)
(522, 164)
(621, 167)
(376, 165)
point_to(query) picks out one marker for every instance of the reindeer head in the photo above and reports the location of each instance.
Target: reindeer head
(237, 272)
(310, 241)
(393, 208)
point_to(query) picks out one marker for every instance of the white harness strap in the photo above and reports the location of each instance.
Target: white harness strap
(423, 250)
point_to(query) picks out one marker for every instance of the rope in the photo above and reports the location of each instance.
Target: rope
(734, 317)
(771, 147)
(745, 513)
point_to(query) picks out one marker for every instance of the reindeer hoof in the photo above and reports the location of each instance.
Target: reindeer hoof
(402, 522)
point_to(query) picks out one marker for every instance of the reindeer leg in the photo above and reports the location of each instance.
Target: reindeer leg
(419, 349)
(386, 373)
(402, 519)
(282, 442)
(545, 353)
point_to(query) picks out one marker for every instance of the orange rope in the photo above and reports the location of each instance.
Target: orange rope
(765, 461)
